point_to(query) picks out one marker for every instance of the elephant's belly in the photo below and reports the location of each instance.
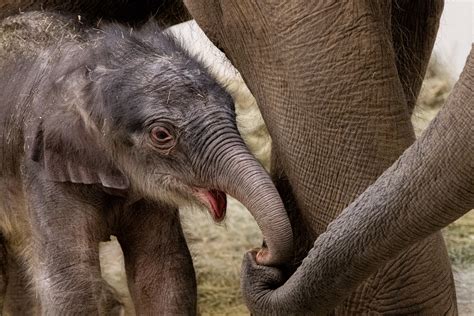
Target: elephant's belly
(418, 282)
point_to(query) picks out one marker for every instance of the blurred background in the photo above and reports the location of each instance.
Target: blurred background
(218, 249)
(455, 36)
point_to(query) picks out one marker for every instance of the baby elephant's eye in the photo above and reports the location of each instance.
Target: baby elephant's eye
(162, 138)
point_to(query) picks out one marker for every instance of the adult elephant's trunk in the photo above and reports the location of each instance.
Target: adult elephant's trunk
(240, 175)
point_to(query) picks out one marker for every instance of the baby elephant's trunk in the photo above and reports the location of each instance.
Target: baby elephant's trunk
(240, 175)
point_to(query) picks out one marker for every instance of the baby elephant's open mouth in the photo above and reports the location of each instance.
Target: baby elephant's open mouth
(216, 202)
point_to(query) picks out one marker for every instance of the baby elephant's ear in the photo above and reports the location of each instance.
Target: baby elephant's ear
(69, 152)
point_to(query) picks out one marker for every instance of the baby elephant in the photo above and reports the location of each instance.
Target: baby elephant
(108, 132)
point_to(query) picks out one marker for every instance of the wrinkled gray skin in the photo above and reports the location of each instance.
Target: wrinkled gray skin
(336, 82)
(107, 132)
(428, 187)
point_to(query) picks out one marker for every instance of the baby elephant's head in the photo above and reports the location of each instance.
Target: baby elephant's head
(148, 118)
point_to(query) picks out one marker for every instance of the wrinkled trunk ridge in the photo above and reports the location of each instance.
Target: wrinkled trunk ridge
(247, 181)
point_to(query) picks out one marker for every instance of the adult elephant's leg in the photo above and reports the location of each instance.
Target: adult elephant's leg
(302, 236)
(327, 85)
(397, 204)
(159, 266)
(325, 77)
(414, 28)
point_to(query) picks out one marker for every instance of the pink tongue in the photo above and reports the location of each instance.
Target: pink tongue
(218, 201)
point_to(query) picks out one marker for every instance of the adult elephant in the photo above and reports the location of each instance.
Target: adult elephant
(336, 82)
(428, 187)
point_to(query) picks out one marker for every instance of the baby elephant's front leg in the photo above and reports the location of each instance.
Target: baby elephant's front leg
(159, 266)
(67, 228)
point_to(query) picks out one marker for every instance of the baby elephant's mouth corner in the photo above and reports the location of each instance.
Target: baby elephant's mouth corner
(214, 200)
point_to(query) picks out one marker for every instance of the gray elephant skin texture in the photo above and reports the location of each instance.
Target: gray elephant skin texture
(336, 82)
(105, 132)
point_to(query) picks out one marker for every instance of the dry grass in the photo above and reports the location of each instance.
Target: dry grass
(460, 241)
(436, 88)
(459, 238)
(217, 251)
